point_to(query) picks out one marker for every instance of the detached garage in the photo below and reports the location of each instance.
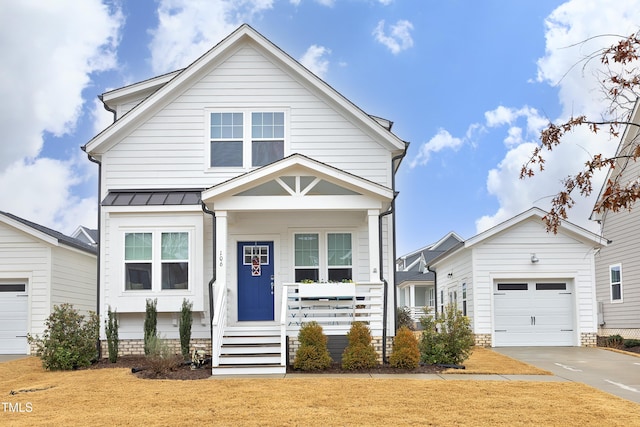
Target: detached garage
(39, 268)
(523, 286)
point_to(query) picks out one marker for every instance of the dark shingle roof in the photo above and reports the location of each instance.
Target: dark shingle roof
(62, 238)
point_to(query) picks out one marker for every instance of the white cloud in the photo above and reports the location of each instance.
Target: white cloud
(101, 117)
(578, 87)
(399, 37)
(40, 191)
(314, 60)
(49, 51)
(439, 142)
(187, 28)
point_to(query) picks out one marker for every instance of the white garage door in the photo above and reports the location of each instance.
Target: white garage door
(13, 318)
(533, 314)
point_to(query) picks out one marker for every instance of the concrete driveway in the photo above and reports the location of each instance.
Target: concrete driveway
(615, 373)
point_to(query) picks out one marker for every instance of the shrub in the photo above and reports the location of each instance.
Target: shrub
(111, 330)
(150, 323)
(406, 354)
(446, 340)
(160, 359)
(69, 339)
(403, 318)
(614, 341)
(312, 355)
(359, 353)
(631, 343)
(185, 327)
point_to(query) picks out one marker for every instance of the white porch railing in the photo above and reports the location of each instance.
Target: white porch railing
(418, 312)
(218, 324)
(333, 306)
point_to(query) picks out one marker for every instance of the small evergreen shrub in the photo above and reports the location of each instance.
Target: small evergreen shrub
(312, 355)
(631, 343)
(406, 354)
(185, 327)
(150, 323)
(111, 331)
(359, 353)
(69, 339)
(403, 319)
(446, 340)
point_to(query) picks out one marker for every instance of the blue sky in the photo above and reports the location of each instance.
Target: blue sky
(468, 83)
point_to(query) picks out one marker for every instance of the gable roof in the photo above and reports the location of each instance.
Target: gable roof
(566, 227)
(185, 78)
(86, 235)
(273, 170)
(418, 260)
(44, 233)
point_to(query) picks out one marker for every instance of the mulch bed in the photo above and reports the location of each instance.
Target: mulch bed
(185, 372)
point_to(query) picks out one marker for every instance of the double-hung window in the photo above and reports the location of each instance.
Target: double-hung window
(615, 281)
(156, 260)
(323, 257)
(247, 138)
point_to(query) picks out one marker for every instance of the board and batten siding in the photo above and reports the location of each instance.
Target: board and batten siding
(168, 150)
(623, 230)
(508, 256)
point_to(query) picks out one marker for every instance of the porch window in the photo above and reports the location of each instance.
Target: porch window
(339, 256)
(464, 299)
(307, 257)
(321, 257)
(137, 260)
(615, 277)
(244, 139)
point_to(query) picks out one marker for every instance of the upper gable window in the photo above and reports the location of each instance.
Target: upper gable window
(244, 139)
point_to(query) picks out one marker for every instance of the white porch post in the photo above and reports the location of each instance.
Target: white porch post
(374, 250)
(412, 296)
(221, 256)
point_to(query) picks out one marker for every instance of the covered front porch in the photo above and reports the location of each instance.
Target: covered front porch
(295, 241)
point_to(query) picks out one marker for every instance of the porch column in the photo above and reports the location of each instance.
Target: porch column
(221, 256)
(412, 296)
(374, 240)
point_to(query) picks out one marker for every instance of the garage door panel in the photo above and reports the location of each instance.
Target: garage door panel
(13, 318)
(538, 314)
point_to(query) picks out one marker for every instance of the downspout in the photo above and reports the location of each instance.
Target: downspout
(213, 274)
(391, 210)
(99, 163)
(435, 292)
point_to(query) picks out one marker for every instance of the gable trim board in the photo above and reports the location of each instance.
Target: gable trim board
(503, 255)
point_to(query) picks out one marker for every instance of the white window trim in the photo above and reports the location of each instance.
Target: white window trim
(156, 259)
(615, 301)
(246, 136)
(323, 247)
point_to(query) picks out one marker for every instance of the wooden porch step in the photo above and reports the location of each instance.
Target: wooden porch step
(249, 370)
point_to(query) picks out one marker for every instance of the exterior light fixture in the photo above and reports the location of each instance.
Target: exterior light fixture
(534, 259)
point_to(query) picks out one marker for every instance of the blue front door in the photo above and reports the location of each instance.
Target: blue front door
(255, 281)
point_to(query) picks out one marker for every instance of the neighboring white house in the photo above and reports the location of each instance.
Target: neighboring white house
(39, 268)
(618, 264)
(230, 182)
(523, 286)
(415, 284)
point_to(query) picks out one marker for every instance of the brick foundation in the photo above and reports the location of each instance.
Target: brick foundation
(136, 347)
(588, 339)
(482, 340)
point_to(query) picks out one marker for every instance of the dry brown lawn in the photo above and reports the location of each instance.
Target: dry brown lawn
(485, 361)
(116, 397)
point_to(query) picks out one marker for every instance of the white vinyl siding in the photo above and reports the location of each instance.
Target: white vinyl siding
(168, 150)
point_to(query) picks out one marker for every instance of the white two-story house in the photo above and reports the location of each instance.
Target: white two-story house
(231, 182)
